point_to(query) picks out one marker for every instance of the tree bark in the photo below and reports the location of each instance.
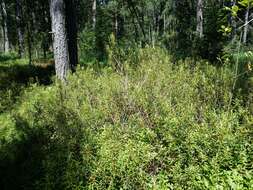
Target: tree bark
(116, 25)
(46, 40)
(233, 22)
(94, 14)
(29, 42)
(5, 27)
(245, 32)
(2, 36)
(60, 44)
(29, 36)
(72, 33)
(200, 18)
(19, 21)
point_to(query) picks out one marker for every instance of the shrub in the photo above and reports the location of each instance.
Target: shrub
(159, 125)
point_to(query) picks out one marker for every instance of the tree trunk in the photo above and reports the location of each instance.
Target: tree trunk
(29, 37)
(19, 21)
(46, 40)
(116, 25)
(2, 36)
(200, 18)
(136, 30)
(29, 42)
(245, 32)
(164, 23)
(60, 44)
(72, 33)
(140, 18)
(94, 14)
(233, 22)
(5, 27)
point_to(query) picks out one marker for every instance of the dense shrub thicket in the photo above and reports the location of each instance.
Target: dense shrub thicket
(155, 125)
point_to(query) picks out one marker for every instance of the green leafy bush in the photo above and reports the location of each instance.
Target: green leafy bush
(86, 45)
(158, 125)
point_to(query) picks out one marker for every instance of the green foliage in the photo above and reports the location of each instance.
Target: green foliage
(16, 74)
(246, 3)
(87, 46)
(161, 125)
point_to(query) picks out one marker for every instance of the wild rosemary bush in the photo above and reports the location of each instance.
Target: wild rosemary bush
(157, 125)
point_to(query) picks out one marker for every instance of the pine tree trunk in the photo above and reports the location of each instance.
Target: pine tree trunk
(164, 23)
(29, 37)
(72, 33)
(60, 44)
(5, 27)
(200, 18)
(94, 14)
(29, 42)
(20, 28)
(46, 37)
(2, 36)
(233, 22)
(116, 26)
(245, 33)
(140, 18)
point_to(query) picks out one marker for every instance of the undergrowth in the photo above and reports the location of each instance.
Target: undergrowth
(16, 75)
(155, 125)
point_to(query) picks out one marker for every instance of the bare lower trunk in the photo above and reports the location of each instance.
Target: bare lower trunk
(20, 28)
(200, 18)
(46, 38)
(245, 32)
(233, 22)
(72, 33)
(135, 29)
(155, 26)
(2, 36)
(29, 42)
(164, 23)
(5, 27)
(29, 30)
(94, 14)
(60, 44)
(116, 26)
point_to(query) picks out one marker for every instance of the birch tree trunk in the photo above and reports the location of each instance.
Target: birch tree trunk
(19, 21)
(5, 27)
(245, 32)
(60, 44)
(200, 18)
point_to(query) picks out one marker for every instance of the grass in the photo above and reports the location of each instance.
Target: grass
(151, 125)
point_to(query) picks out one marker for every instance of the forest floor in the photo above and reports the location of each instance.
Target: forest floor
(16, 75)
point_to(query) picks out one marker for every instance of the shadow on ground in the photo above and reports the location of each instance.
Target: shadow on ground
(14, 78)
(21, 159)
(25, 152)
